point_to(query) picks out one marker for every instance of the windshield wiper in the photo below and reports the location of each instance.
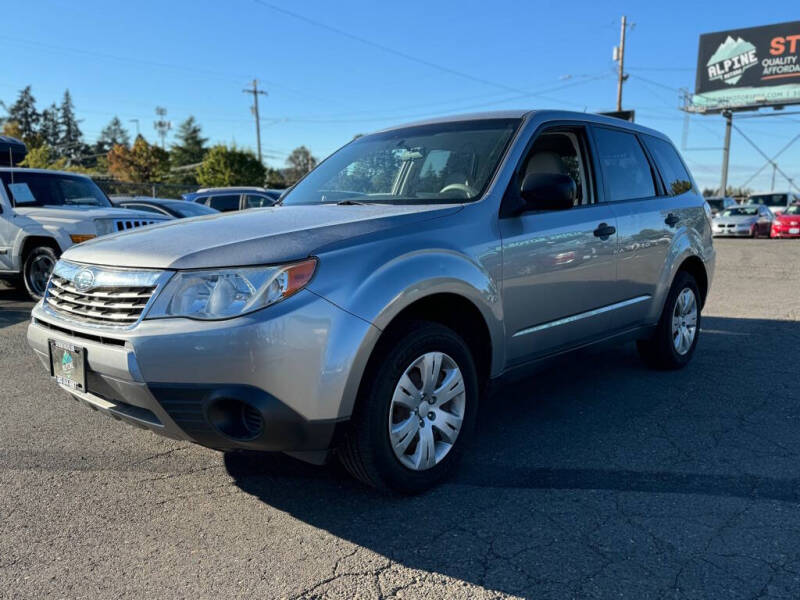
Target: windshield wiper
(351, 202)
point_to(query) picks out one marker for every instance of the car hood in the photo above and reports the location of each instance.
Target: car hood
(75, 214)
(738, 220)
(251, 237)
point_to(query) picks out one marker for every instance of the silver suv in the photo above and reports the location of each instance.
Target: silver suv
(367, 315)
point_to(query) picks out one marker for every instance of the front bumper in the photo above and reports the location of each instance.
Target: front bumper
(291, 366)
(732, 232)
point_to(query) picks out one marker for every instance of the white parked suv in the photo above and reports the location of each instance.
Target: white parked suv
(42, 213)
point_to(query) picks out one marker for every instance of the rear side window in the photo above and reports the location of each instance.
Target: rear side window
(625, 166)
(224, 203)
(255, 201)
(675, 175)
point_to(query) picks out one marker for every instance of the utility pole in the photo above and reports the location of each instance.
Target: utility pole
(726, 151)
(774, 170)
(619, 56)
(256, 93)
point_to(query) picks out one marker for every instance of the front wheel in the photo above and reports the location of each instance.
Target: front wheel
(675, 338)
(416, 410)
(36, 270)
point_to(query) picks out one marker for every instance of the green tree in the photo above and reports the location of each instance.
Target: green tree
(23, 112)
(49, 128)
(71, 139)
(274, 178)
(190, 145)
(44, 157)
(300, 162)
(223, 166)
(143, 162)
(111, 135)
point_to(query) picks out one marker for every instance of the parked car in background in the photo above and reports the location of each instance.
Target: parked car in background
(178, 209)
(787, 224)
(234, 198)
(369, 314)
(718, 203)
(42, 213)
(777, 202)
(746, 220)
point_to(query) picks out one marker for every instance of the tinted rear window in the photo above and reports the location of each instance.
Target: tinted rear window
(675, 175)
(624, 164)
(224, 203)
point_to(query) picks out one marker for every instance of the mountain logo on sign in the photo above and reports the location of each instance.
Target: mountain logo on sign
(731, 60)
(66, 362)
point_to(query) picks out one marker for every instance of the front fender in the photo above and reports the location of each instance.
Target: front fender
(33, 229)
(377, 293)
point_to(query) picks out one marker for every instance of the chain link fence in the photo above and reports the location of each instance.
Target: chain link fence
(114, 187)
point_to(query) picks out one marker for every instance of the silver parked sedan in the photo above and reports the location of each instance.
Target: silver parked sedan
(750, 220)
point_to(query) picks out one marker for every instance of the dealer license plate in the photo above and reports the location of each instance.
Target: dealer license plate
(68, 365)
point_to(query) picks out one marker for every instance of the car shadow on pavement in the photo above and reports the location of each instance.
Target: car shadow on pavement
(15, 306)
(595, 426)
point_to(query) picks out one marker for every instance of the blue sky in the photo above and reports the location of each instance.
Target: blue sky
(326, 84)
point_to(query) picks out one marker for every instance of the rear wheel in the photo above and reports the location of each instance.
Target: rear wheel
(36, 270)
(675, 338)
(416, 411)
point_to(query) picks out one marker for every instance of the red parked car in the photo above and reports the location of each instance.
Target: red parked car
(787, 224)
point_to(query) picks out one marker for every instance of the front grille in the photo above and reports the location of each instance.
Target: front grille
(125, 224)
(104, 296)
(106, 305)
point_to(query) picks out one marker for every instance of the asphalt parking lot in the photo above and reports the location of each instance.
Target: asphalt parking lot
(597, 478)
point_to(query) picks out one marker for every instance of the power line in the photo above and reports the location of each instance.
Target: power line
(389, 50)
(762, 153)
(771, 161)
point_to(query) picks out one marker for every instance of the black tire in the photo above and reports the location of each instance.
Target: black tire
(33, 272)
(366, 451)
(659, 350)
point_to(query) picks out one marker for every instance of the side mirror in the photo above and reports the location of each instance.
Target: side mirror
(548, 191)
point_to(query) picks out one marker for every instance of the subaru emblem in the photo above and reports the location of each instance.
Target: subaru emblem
(84, 280)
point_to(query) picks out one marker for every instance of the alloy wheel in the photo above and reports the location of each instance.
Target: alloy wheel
(684, 321)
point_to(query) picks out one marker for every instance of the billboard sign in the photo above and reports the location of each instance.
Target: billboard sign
(748, 68)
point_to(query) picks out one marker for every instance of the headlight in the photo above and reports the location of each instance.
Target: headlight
(105, 226)
(225, 293)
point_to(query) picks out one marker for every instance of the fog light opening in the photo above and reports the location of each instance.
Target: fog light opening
(235, 419)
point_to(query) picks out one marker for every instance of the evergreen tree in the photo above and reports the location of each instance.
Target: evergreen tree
(49, 129)
(23, 112)
(190, 147)
(71, 139)
(111, 135)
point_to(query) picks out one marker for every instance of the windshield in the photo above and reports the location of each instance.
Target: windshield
(769, 199)
(741, 211)
(429, 164)
(51, 189)
(794, 209)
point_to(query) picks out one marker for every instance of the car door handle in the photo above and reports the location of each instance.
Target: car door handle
(604, 231)
(672, 219)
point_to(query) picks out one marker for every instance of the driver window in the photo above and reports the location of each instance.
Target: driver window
(558, 152)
